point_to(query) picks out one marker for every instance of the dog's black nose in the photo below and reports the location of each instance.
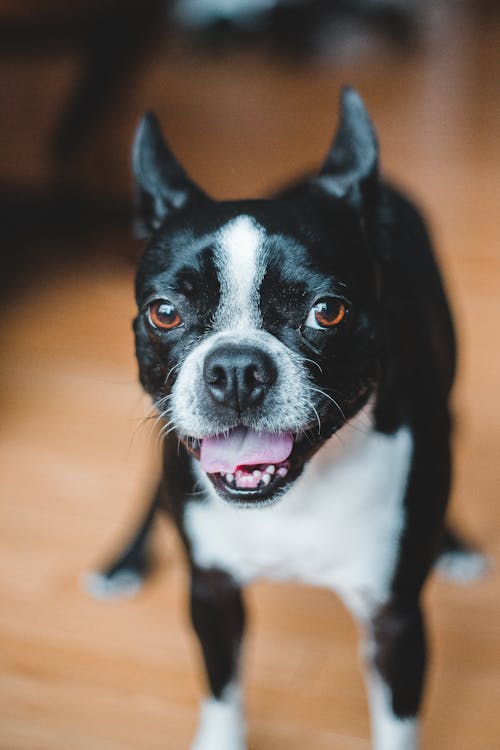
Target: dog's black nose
(238, 376)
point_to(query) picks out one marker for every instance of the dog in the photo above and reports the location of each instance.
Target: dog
(300, 352)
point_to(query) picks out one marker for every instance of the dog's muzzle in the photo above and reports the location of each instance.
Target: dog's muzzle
(237, 378)
(239, 405)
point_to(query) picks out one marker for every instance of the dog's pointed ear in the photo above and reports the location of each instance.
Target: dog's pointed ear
(351, 166)
(161, 184)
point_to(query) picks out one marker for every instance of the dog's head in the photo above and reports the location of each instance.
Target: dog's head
(257, 328)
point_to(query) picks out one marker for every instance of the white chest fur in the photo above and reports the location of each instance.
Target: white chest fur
(339, 526)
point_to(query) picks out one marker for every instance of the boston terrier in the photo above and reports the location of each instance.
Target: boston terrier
(299, 351)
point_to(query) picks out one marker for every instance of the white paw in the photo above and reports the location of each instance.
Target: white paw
(390, 732)
(396, 734)
(126, 583)
(222, 725)
(462, 567)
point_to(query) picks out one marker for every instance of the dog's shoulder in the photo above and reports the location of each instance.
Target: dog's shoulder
(420, 349)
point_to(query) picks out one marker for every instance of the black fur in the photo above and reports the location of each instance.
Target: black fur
(218, 619)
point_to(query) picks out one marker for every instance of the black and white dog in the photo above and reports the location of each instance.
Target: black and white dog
(301, 350)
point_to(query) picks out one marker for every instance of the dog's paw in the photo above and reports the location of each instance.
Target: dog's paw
(463, 566)
(222, 725)
(120, 584)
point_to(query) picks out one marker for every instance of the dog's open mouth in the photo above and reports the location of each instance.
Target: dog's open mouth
(246, 465)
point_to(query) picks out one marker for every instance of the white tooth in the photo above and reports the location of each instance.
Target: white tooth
(229, 477)
(282, 471)
(271, 469)
(239, 474)
(266, 478)
(257, 474)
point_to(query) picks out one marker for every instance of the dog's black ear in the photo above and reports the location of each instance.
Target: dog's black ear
(351, 166)
(161, 184)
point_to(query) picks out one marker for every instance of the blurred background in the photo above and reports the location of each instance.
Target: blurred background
(247, 91)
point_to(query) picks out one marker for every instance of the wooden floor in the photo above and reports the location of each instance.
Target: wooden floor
(77, 457)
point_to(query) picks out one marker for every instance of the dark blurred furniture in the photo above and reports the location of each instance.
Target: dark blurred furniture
(111, 34)
(108, 38)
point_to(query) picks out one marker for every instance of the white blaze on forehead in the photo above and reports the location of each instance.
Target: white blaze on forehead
(239, 259)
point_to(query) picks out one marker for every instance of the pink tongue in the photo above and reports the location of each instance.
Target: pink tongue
(243, 447)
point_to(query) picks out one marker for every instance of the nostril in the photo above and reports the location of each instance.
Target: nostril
(253, 380)
(251, 376)
(217, 380)
(217, 376)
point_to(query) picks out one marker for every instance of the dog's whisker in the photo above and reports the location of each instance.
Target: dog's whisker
(151, 419)
(326, 395)
(172, 369)
(167, 430)
(162, 401)
(317, 417)
(313, 362)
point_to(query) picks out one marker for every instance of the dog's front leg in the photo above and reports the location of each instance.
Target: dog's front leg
(218, 619)
(395, 656)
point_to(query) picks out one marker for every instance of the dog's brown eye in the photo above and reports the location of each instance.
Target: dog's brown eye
(327, 313)
(163, 315)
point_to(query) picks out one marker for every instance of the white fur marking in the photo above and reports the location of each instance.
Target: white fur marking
(291, 406)
(241, 269)
(389, 732)
(222, 725)
(338, 526)
(240, 261)
(124, 583)
(462, 566)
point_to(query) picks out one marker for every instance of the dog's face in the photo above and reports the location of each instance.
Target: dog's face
(257, 328)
